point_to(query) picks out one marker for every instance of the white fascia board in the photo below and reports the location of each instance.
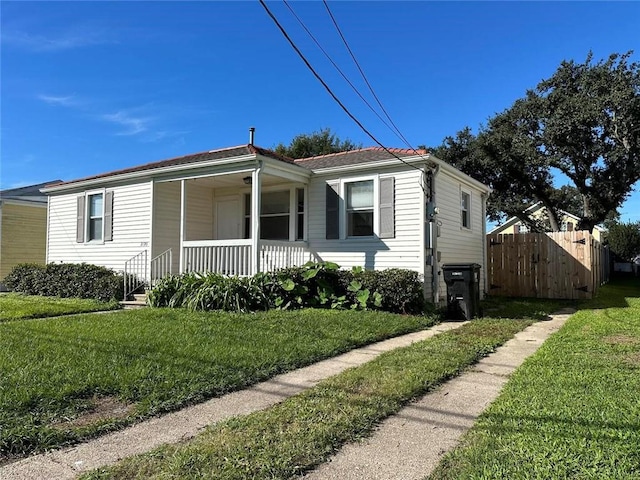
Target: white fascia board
(392, 162)
(145, 174)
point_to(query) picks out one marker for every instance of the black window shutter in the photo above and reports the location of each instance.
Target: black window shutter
(80, 220)
(387, 208)
(332, 212)
(108, 217)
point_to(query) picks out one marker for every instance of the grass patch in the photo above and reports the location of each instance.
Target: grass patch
(156, 360)
(572, 410)
(14, 306)
(304, 430)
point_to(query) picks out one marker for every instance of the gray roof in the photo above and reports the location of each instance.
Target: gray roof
(354, 157)
(30, 193)
(219, 154)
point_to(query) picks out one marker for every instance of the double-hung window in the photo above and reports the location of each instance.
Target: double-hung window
(465, 209)
(95, 217)
(359, 196)
(360, 207)
(280, 217)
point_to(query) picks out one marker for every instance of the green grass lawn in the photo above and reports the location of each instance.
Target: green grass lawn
(573, 409)
(55, 372)
(15, 306)
(304, 430)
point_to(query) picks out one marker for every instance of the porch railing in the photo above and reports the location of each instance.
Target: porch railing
(228, 257)
(233, 257)
(275, 255)
(135, 273)
(161, 266)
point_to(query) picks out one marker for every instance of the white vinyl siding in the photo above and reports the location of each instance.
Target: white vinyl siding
(166, 221)
(402, 251)
(457, 244)
(131, 223)
(199, 212)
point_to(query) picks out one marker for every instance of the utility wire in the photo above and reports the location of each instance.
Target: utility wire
(328, 89)
(364, 77)
(346, 79)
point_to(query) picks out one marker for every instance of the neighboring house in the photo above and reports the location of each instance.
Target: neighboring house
(23, 227)
(245, 209)
(537, 211)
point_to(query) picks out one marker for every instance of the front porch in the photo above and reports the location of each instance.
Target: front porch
(242, 219)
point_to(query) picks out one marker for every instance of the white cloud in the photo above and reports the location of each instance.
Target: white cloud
(133, 125)
(58, 100)
(78, 38)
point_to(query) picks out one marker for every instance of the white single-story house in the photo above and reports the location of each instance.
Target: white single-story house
(537, 211)
(245, 209)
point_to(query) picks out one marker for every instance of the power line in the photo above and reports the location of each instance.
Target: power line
(346, 79)
(328, 89)
(364, 77)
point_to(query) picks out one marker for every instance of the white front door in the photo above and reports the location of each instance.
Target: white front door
(227, 218)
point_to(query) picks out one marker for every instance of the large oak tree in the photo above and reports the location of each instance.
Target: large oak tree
(584, 121)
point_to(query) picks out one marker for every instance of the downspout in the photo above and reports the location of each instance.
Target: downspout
(484, 197)
(432, 234)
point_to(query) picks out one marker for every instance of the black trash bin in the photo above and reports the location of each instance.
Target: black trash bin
(463, 290)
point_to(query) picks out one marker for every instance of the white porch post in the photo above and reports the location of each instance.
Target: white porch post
(183, 220)
(256, 194)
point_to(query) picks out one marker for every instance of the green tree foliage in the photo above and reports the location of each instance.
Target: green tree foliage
(584, 121)
(624, 239)
(322, 142)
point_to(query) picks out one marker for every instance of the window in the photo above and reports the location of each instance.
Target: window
(359, 196)
(465, 209)
(275, 214)
(360, 208)
(300, 214)
(95, 217)
(566, 226)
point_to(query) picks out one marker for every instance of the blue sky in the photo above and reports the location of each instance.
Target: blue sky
(88, 87)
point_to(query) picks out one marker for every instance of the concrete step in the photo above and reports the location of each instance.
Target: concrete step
(139, 301)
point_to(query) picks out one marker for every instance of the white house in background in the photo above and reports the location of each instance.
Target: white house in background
(538, 211)
(245, 209)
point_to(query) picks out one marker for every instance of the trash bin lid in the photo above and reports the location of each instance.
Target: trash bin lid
(461, 266)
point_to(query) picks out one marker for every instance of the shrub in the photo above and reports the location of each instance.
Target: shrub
(319, 285)
(66, 280)
(401, 290)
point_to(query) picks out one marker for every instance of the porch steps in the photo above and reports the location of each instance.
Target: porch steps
(139, 301)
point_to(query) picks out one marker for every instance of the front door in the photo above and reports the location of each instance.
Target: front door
(228, 218)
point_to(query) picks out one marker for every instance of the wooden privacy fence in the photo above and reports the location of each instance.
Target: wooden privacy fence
(570, 265)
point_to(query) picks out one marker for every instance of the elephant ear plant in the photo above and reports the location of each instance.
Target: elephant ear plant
(313, 285)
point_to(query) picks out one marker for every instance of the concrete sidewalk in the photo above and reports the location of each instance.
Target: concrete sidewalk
(410, 444)
(70, 462)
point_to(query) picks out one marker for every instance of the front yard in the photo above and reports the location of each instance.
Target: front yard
(69, 378)
(573, 409)
(15, 306)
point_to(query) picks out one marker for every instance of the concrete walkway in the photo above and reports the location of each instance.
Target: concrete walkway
(171, 428)
(410, 444)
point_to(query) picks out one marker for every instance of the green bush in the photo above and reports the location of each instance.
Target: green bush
(401, 290)
(66, 280)
(318, 285)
